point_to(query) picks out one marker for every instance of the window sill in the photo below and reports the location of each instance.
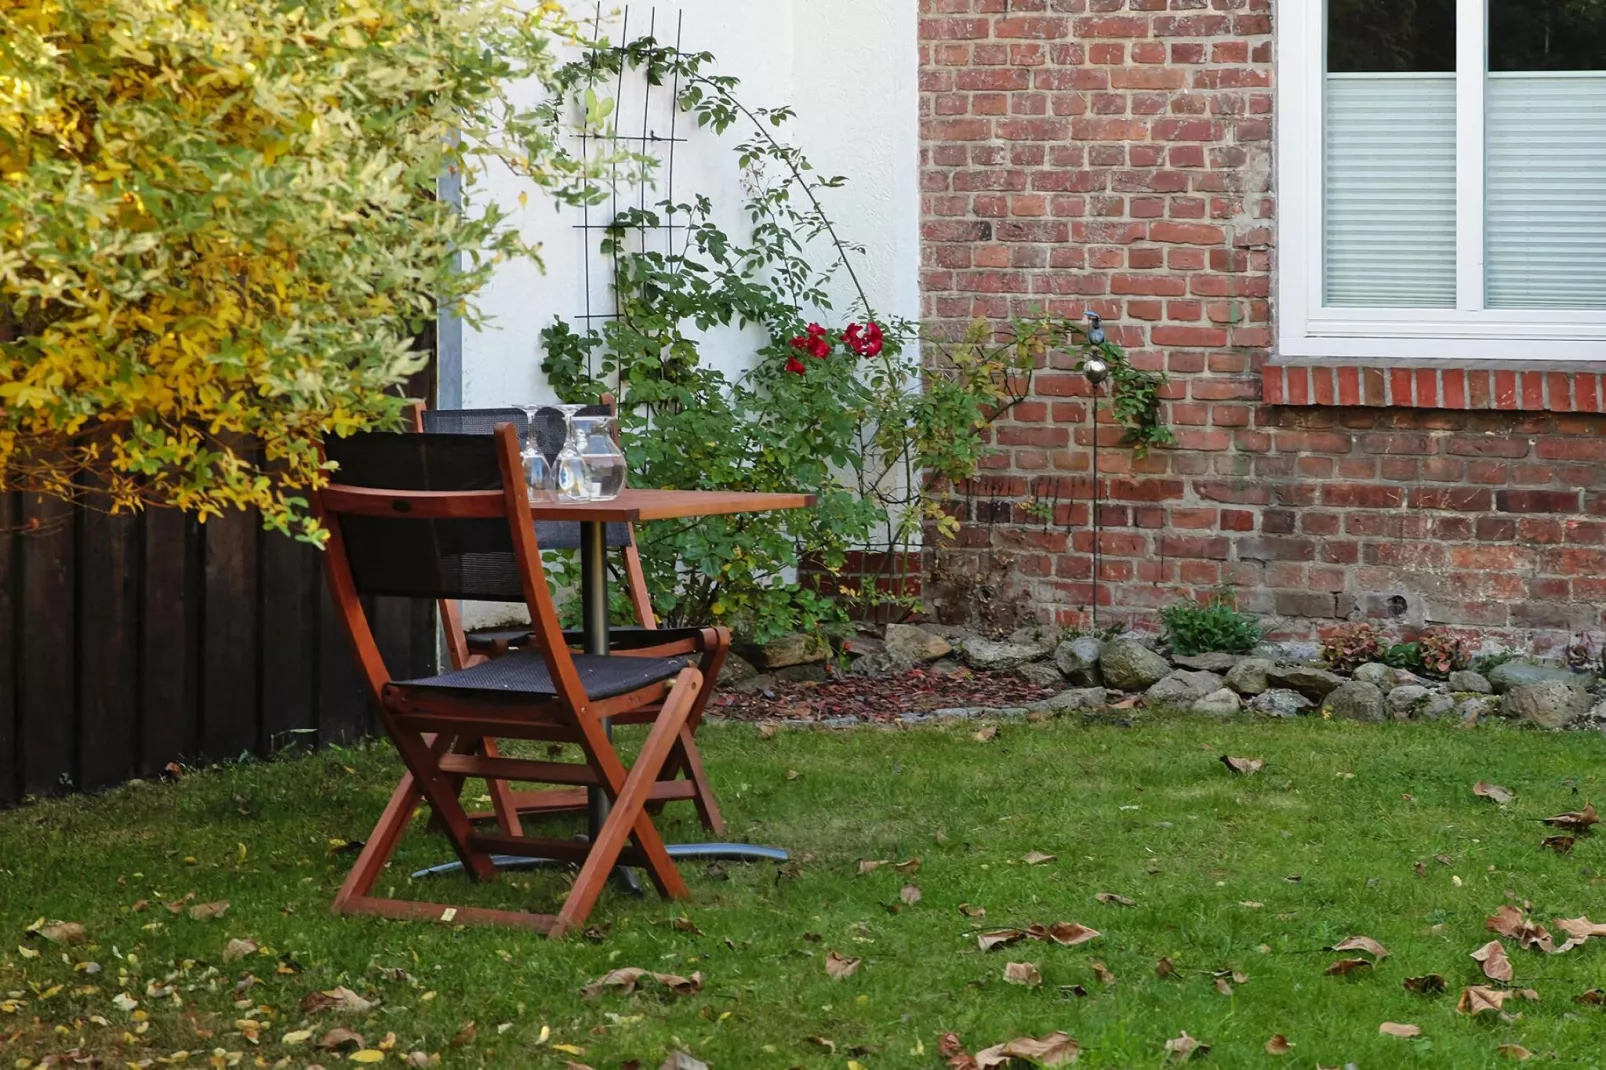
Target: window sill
(1513, 386)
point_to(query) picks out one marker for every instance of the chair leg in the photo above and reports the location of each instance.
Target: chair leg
(685, 758)
(692, 761)
(442, 797)
(629, 819)
(507, 810)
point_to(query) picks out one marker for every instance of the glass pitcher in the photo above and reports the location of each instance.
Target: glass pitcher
(603, 458)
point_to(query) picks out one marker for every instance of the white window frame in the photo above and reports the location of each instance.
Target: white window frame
(1469, 332)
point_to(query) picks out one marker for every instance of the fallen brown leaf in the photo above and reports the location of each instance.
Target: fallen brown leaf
(1111, 899)
(1278, 1045)
(1496, 967)
(908, 865)
(839, 966)
(972, 912)
(235, 950)
(950, 1045)
(867, 865)
(1022, 973)
(987, 734)
(1493, 792)
(209, 911)
(1363, 943)
(679, 1060)
(1595, 997)
(1102, 972)
(1345, 967)
(1182, 1048)
(1223, 986)
(1399, 1029)
(1514, 1051)
(1068, 933)
(1056, 1049)
(1560, 844)
(627, 978)
(1243, 766)
(1037, 858)
(465, 1036)
(1580, 929)
(1579, 820)
(1000, 938)
(62, 932)
(1509, 922)
(1477, 999)
(1444, 860)
(1427, 984)
(767, 729)
(341, 1037)
(910, 894)
(340, 998)
(1165, 968)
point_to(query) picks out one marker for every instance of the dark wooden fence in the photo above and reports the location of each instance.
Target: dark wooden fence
(127, 643)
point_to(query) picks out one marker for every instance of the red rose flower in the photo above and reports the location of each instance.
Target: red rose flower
(794, 366)
(865, 341)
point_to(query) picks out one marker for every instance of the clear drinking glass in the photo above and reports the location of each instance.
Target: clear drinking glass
(573, 478)
(540, 477)
(602, 456)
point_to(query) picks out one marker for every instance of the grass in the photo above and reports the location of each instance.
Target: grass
(1147, 812)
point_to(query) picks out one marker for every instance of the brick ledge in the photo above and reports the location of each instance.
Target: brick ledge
(1539, 386)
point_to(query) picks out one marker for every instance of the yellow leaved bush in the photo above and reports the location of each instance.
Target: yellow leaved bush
(223, 229)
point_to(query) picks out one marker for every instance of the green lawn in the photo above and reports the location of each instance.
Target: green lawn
(1336, 837)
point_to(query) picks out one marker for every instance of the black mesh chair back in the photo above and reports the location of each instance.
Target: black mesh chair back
(550, 431)
(402, 556)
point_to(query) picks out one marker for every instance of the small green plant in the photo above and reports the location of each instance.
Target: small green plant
(1352, 645)
(1207, 627)
(1442, 652)
(1484, 664)
(1405, 656)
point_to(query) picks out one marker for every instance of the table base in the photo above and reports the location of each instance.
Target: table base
(731, 852)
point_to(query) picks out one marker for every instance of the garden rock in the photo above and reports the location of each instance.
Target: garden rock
(1548, 703)
(1077, 698)
(1297, 652)
(1248, 677)
(1211, 662)
(1475, 709)
(1436, 706)
(736, 670)
(1597, 712)
(1078, 659)
(1377, 674)
(1315, 684)
(1468, 681)
(1280, 702)
(989, 654)
(1517, 673)
(1181, 689)
(1043, 636)
(1041, 673)
(812, 672)
(1128, 665)
(879, 663)
(795, 648)
(908, 644)
(1403, 700)
(1355, 701)
(1220, 703)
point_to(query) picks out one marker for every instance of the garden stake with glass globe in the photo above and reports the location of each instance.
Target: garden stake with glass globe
(1096, 371)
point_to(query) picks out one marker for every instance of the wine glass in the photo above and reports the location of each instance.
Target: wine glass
(540, 478)
(573, 478)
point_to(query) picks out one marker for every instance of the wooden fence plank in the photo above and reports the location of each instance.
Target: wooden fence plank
(229, 715)
(10, 766)
(46, 669)
(343, 702)
(168, 723)
(290, 584)
(107, 590)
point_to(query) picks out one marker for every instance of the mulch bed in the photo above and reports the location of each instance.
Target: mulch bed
(879, 698)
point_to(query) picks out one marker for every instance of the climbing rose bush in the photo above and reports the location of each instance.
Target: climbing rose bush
(221, 234)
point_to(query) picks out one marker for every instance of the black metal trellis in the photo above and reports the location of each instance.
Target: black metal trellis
(646, 138)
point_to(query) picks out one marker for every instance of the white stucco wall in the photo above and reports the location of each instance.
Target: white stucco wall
(849, 69)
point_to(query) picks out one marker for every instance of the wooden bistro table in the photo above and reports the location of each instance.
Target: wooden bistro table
(632, 507)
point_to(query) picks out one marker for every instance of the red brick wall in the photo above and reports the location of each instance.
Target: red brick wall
(1116, 155)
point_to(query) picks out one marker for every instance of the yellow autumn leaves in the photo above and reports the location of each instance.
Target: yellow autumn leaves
(219, 231)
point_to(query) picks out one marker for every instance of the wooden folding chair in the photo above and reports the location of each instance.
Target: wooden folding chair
(446, 516)
(709, 645)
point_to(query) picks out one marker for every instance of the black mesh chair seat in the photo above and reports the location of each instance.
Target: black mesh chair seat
(624, 638)
(523, 675)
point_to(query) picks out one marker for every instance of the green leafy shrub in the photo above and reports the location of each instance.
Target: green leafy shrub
(1206, 627)
(1350, 646)
(1405, 656)
(220, 233)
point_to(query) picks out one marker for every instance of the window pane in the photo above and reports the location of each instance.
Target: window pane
(1389, 206)
(1397, 36)
(1547, 154)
